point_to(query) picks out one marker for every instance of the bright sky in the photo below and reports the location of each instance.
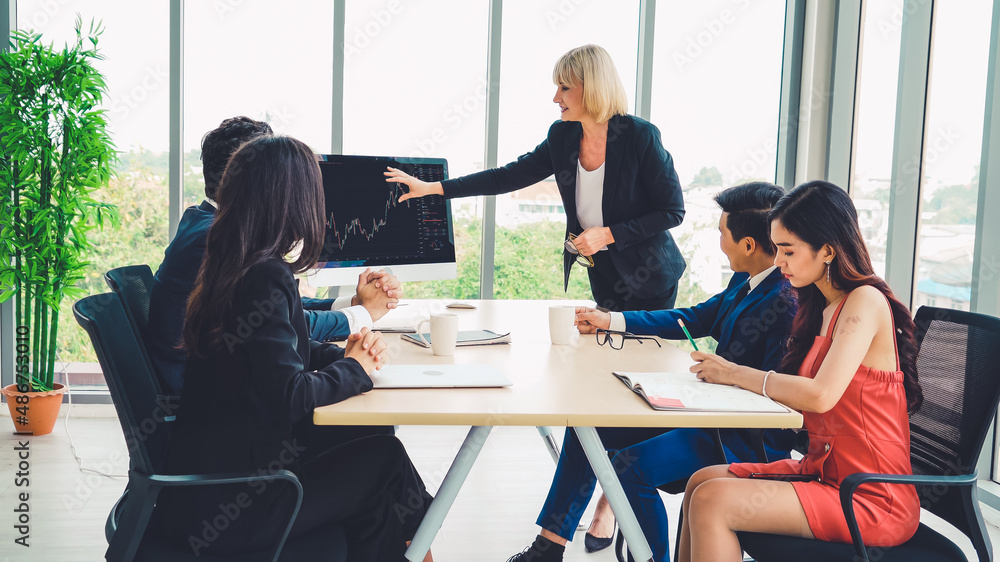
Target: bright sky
(414, 76)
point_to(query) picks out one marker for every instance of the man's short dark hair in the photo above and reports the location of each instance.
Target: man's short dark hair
(748, 205)
(219, 144)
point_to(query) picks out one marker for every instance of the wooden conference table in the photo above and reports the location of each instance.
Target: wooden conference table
(554, 385)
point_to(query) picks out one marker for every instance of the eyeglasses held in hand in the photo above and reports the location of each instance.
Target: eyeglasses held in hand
(570, 245)
(617, 339)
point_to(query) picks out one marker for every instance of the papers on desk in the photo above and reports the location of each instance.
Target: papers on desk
(684, 391)
(474, 337)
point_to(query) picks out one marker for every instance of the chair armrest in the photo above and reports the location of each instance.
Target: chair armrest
(850, 484)
(145, 489)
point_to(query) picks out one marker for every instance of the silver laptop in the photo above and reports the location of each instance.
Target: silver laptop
(439, 376)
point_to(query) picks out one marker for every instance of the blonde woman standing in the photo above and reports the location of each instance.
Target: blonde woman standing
(616, 181)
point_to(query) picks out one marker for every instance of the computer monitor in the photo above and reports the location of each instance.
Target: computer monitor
(368, 227)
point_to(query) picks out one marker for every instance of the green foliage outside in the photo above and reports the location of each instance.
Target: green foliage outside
(528, 262)
(708, 177)
(955, 204)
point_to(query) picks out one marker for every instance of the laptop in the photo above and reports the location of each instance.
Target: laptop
(439, 376)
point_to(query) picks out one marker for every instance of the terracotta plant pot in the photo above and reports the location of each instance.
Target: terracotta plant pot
(37, 416)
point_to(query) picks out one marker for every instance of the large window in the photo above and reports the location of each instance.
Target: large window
(531, 223)
(716, 94)
(953, 136)
(879, 71)
(263, 60)
(415, 85)
(136, 105)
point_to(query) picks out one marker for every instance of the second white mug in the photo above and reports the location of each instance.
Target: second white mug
(443, 332)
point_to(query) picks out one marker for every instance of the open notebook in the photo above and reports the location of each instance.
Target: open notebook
(684, 391)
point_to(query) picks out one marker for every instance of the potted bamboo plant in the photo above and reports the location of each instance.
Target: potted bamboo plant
(55, 151)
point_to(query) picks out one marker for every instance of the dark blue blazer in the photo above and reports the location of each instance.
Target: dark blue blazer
(642, 197)
(172, 285)
(753, 332)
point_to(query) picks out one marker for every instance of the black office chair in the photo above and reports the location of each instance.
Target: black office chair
(133, 285)
(678, 486)
(134, 392)
(959, 369)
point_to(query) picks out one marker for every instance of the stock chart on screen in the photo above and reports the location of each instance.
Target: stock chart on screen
(367, 226)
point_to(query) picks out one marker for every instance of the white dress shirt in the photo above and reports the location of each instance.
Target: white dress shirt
(357, 316)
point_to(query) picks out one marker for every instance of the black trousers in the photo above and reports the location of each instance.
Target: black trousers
(606, 285)
(370, 488)
(367, 486)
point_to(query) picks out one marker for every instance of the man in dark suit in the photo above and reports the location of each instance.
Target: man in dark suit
(327, 319)
(750, 319)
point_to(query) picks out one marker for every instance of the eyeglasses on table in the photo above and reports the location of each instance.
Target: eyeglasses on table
(616, 339)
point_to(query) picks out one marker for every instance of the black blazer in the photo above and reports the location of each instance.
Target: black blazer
(239, 403)
(642, 197)
(173, 283)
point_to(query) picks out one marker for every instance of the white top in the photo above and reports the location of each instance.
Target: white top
(618, 319)
(589, 197)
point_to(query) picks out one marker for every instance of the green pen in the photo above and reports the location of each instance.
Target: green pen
(688, 334)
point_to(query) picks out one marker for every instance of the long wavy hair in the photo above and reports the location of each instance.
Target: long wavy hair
(270, 204)
(820, 213)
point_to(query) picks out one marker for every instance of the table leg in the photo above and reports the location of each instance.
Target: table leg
(447, 493)
(550, 442)
(598, 457)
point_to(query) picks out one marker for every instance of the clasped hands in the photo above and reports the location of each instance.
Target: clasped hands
(378, 292)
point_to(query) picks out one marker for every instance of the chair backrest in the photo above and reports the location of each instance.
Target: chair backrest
(958, 366)
(130, 380)
(133, 284)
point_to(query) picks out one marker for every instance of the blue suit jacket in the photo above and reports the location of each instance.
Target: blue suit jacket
(641, 200)
(754, 332)
(172, 285)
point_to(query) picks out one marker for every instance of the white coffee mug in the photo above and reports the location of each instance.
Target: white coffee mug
(444, 333)
(562, 321)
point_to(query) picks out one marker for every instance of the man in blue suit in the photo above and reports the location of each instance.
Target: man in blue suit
(750, 319)
(327, 319)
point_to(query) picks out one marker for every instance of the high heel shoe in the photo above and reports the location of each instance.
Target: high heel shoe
(594, 544)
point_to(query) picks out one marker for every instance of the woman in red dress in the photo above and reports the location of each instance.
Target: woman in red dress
(854, 353)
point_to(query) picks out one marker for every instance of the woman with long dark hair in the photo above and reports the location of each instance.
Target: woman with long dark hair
(853, 348)
(253, 377)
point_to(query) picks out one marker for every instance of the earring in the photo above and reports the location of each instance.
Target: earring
(828, 273)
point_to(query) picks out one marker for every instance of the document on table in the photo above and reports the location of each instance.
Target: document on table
(685, 391)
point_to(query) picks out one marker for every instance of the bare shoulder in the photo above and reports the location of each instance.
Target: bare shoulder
(865, 305)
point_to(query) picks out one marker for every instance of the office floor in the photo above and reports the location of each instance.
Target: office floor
(492, 518)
